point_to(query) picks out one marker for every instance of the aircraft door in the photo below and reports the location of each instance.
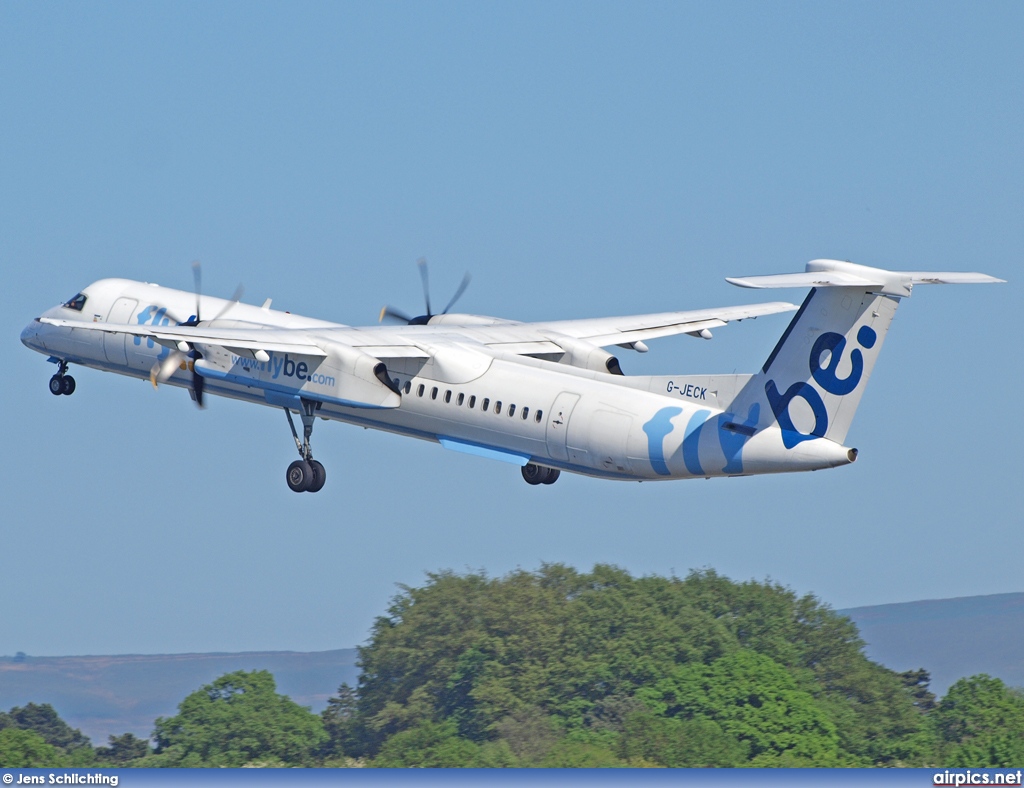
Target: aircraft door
(558, 424)
(113, 344)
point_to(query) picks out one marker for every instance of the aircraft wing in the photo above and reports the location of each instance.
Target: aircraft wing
(271, 340)
(604, 331)
(407, 341)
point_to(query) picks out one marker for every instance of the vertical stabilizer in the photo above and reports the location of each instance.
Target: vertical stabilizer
(812, 383)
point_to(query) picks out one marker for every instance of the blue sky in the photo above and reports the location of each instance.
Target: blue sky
(581, 159)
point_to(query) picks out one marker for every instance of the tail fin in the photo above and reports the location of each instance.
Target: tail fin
(813, 380)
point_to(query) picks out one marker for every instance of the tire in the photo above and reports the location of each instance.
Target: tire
(533, 474)
(316, 483)
(552, 477)
(67, 386)
(299, 476)
(57, 385)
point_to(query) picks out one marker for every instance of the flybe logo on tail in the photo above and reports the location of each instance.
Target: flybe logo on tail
(834, 344)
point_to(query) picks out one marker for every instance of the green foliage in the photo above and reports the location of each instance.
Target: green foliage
(71, 746)
(44, 720)
(980, 722)
(754, 699)
(340, 723)
(916, 682)
(438, 745)
(787, 677)
(123, 750)
(28, 749)
(237, 719)
(670, 741)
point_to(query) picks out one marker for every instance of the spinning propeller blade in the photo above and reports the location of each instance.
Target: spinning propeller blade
(422, 320)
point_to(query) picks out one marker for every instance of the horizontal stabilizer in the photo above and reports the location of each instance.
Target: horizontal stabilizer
(837, 273)
(809, 279)
(951, 278)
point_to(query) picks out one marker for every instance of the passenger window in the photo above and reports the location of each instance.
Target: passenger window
(472, 401)
(75, 303)
(433, 393)
(398, 383)
(497, 406)
(526, 412)
(408, 386)
(461, 399)
(511, 411)
(448, 396)
(420, 390)
(539, 416)
(485, 404)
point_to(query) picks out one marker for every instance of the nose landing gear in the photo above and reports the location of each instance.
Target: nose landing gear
(305, 474)
(62, 383)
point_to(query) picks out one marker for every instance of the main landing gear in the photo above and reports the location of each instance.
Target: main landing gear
(538, 474)
(62, 383)
(305, 474)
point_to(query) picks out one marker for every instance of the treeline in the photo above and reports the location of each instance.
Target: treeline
(561, 668)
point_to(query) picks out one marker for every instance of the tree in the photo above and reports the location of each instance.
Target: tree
(980, 722)
(123, 749)
(237, 719)
(916, 683)
(27, 749)
(44, 720)
(477, 651)
(340, 721)
(675, 742)
(72, 746)
(754, 699)
(438, 745)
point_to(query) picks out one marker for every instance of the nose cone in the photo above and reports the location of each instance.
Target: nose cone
(31, 336)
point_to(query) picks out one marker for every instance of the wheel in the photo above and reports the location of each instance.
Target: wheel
(534, 474)
(299, 476)
(57, 385)
(316, 484)
(552, 477)
(67, 385)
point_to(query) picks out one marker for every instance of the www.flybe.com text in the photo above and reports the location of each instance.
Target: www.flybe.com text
(283, 365)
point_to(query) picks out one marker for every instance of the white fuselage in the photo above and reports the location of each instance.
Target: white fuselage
(500, 405)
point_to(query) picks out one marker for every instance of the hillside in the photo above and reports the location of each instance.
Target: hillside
(117, 694)
(951, 638)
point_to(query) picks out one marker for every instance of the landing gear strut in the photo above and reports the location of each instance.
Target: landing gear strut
(538, 474)
(62, 383)
(305, 474)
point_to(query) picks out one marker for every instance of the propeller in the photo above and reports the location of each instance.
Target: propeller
(162, 370)
(422, 320)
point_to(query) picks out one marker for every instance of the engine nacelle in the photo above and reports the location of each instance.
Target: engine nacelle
(585, 355)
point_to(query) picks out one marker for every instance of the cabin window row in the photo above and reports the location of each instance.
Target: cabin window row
(461, 399)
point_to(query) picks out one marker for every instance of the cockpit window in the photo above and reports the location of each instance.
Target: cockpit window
(75, 303)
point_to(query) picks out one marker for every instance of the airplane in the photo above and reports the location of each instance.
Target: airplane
(548, 397)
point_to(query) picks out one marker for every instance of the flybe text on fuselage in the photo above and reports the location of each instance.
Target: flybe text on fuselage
(286, 366)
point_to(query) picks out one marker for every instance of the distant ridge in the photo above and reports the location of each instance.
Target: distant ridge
(951, 638)
(105, 695)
